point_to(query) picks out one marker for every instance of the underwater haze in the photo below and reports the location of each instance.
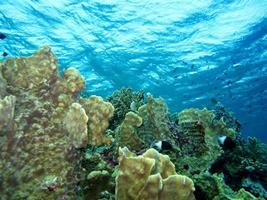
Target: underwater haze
(191, 53)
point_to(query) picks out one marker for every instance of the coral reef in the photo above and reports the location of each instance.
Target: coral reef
(99, 113)
(56, 144)
(124, 101)
(228, 117)
(150, 176)
(7, 107)
(196, 135)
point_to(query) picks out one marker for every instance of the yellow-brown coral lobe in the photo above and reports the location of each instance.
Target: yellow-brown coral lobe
(150, 176)
(38, 156)
(126, 133)
(99, 112)
(76, 124)
(31, 73)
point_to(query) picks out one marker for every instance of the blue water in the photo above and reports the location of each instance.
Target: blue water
(185, 51)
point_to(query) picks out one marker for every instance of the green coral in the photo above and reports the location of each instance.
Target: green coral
(155, 120)
(196, 135)
(210, 187)
(124, 101)
(246, 162)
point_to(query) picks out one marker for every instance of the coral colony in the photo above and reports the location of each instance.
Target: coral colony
(58, 143)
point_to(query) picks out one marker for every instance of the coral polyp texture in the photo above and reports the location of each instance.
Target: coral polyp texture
(40, 133)
(150, 176)
(99, 113)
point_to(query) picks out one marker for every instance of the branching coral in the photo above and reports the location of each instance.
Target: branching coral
(124, 101)
(150, 176)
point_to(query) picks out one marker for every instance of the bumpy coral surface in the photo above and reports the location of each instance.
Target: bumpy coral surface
(210, 187)
(38, 156)
(150, 176)
(99, 113)
(76, 124)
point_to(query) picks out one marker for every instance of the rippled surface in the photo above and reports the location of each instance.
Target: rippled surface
(185, 51)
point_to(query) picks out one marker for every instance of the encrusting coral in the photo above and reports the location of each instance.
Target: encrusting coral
(150, 176)
(99, 113)
(212, 187)
(38, 155)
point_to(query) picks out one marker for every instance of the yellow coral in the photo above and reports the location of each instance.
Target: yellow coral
(126, 132)
(99, 112)
(76, 124)
(38, 160)
(150, 176)
(31, 73)
(68, 87)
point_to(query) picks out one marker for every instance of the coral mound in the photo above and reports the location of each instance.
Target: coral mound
(40, 128)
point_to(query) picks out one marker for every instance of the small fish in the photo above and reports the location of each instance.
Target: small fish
(133, 106)
(2, 36)
(162, 145)
(5, 54)
(226, 142)
(213, 100)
